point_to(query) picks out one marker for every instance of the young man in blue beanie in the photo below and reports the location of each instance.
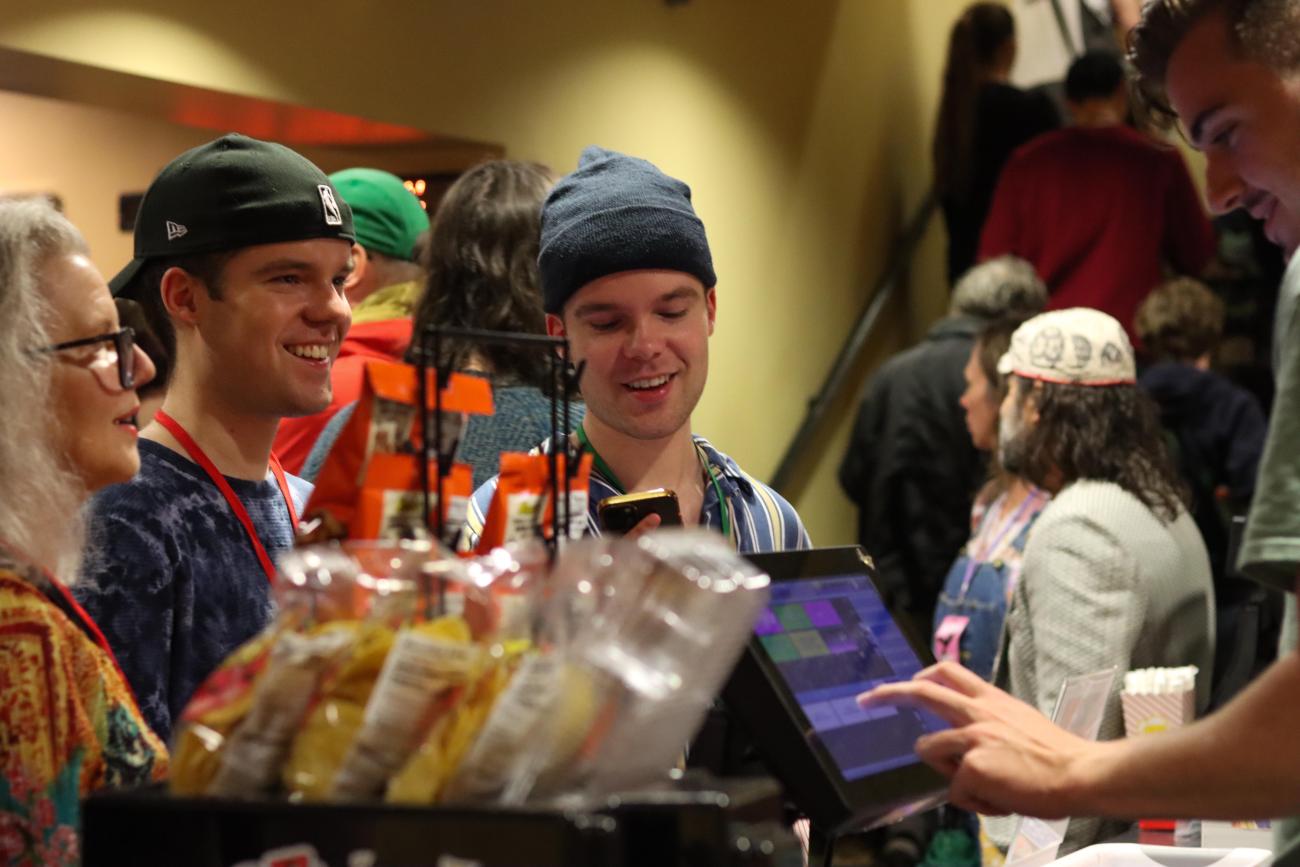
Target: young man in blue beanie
(628, 279)
(244, 247)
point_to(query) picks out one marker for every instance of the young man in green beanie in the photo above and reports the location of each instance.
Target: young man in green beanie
(384, 287)
(244, 247)
(628, 279)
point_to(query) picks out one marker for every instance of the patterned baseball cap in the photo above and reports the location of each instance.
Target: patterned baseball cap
(1078, 346)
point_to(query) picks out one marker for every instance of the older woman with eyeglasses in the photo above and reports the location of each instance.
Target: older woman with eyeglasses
(68, 373)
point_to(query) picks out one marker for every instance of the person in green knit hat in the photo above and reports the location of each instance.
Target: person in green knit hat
(383, 289)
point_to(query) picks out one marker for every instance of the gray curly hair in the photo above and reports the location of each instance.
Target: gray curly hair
(1005, 287)
(41, 505)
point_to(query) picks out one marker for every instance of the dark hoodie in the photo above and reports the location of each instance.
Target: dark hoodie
(1217, 429)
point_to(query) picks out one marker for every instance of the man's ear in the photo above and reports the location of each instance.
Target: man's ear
(711, 305)
(555, 326)
(180, 291)
(1030, 412)
(360, 262)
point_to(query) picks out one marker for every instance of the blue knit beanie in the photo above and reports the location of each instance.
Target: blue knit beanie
(617, 213)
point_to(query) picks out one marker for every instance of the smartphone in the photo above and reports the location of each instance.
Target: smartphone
(620, 514)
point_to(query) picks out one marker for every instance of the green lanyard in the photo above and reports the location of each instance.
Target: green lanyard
(603, 468)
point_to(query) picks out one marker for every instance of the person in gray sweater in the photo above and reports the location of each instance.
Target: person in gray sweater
(1115, 572)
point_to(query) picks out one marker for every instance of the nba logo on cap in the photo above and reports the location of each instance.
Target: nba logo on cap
(327, 200)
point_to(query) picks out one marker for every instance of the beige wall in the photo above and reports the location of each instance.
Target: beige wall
(802, 128)
(89, 157)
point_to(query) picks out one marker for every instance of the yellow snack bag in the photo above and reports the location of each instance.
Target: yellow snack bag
(426, 661)
(425, 776)
(326, 735)
(217, 707)
(254, 752)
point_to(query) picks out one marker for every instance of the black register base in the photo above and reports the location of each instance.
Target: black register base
(695, 821)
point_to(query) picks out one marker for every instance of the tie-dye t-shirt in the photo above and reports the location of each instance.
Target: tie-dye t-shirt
(172, 578)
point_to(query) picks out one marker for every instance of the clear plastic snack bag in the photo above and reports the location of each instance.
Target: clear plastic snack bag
(434, 655)
(514, 579)
(392, 592)
(653, 627)
(254, 700)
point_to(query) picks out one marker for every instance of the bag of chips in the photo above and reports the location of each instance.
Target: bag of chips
(395, 669)
(428, 660)
(391, 503)
(256, 748)
(217, 707)
(654, 626)
(514, 578)
(407, 583)
(329, 728)
(256, 696)
(387, 422)
(521, 507)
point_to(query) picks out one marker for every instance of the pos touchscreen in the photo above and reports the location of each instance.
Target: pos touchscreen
(825, 637)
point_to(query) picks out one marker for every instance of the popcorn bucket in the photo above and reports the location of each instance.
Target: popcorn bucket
(1158, 699)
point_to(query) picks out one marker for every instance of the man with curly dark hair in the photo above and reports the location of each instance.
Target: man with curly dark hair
(1115, 572)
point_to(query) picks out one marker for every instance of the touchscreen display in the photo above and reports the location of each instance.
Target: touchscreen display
(832, 638)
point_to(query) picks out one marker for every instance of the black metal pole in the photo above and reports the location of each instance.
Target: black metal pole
(440, 378)
(422, 388)
(556, 446)
(436, 334)
(502, 338)
(571, 457)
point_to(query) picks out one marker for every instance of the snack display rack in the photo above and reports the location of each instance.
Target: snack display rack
(684, 819)
(564, 378)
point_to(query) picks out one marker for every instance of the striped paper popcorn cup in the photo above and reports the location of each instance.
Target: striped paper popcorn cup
(1148, 714)
(1158, 699)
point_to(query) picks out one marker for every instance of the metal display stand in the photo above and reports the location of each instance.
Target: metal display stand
(564, 380)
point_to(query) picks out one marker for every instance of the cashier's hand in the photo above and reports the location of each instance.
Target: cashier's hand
(1001, 755)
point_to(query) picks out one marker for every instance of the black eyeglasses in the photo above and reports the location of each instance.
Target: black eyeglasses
(123, 341)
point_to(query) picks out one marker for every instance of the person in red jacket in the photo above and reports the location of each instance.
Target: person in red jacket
(383, 289)
(1099, 209)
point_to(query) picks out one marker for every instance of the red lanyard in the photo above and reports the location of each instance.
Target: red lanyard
(236, 505)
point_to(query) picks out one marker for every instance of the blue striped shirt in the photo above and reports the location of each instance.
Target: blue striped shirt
(761, 519)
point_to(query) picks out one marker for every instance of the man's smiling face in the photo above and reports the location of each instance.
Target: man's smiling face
(277, 325)
(644, 336)
(1245, 116)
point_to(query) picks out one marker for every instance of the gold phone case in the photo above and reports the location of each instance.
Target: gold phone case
(622, 500)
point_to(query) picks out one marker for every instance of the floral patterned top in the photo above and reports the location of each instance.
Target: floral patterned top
(68, 722)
